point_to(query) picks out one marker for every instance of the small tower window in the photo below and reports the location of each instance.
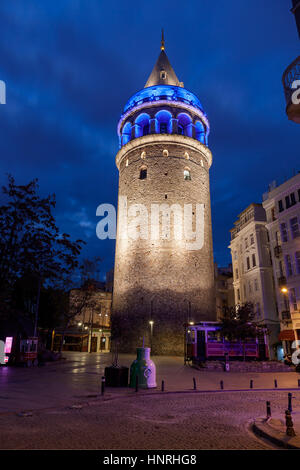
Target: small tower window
(187, 174)
(163, 74)
(146, 129)
(165, 153)
(180, 129)
(143, 173)
(163, 128)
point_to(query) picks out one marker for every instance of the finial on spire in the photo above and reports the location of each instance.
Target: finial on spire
(162, 46)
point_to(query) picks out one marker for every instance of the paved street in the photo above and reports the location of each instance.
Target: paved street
(64, 409)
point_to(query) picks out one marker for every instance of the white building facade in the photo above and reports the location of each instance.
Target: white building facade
(282, 206)
(252, 269)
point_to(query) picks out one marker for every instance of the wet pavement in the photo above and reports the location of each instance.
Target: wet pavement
(79, 377)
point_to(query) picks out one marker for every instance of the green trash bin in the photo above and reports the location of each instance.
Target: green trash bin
(144, 368)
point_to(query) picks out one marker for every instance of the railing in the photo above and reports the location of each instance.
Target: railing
(285, 315)
(277, 251)
(291, 74)
(282, 281)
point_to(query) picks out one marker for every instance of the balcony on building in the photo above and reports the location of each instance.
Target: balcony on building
(285, 315)
(277, 251)
(282, 281)
(290, 76)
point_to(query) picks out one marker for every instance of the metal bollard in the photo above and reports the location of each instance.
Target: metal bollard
(136, 383)
(251, 383)
(194, 381)
(268, 409)
(275, 383)
(289, 424)
(162, 385)
(222, 384)
(290, 402)
(102, 385)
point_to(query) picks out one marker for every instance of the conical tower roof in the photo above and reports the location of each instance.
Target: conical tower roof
(163, 73)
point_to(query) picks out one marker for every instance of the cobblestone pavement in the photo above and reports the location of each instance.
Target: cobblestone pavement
(59, 384)
(146, 421)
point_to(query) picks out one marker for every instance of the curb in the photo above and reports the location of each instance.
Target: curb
(260, 432)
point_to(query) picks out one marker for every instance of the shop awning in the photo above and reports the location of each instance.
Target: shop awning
(286, 335)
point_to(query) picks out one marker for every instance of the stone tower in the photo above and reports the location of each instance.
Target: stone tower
(164, 276)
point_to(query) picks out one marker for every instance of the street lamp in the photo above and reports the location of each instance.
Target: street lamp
(151, 322)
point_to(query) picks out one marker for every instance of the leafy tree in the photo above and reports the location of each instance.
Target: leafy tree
(238, 324)
(33, 252)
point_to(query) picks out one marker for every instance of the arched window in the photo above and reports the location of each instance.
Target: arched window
(185, 123)
(142, 125)
(187, 174)
(126, 133)
(163, 119)
(200, 132)
(143, 173)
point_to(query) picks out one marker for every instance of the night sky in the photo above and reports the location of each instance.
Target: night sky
(71, 65)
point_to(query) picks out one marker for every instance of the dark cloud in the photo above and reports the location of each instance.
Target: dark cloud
(71, 66)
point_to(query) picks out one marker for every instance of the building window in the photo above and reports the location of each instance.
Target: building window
(163, 74)
(248, 263)
(180, 130)
(143, 173)
(258, 312)
(187, 174)
(294, 227)
(280, 206)
(284, 234)
(273, 214)
(253, 261)
(246, 243)
(297, 258)
(287, 202)
(288, 265)
(252, 239)
(163, 128)
(293, 199)
(146, 129)
(293, 298)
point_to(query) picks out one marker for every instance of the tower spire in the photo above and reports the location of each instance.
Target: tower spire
(162, 43)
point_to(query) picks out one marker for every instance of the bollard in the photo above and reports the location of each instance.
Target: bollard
(194, 381)
(162, 385)
(251, 383)
(290, 402)
(268, 409)
(136, 383)
(275, 383)
(102, 385)
(222, 385)
(289, 424)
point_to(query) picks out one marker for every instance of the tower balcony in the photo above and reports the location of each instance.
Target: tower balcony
(291, 90)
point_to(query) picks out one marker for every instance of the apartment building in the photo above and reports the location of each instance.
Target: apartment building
(252, 269)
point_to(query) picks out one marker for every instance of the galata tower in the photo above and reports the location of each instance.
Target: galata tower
(163, 276)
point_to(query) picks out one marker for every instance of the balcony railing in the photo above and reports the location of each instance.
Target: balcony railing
(285, 315)
(291, 74)
(282, 281)
(277, 251)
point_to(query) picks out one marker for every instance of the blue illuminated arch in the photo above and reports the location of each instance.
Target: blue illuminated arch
(126, 133)
(200, 132)
(163, 122)
(185, 125)
(142, 126)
